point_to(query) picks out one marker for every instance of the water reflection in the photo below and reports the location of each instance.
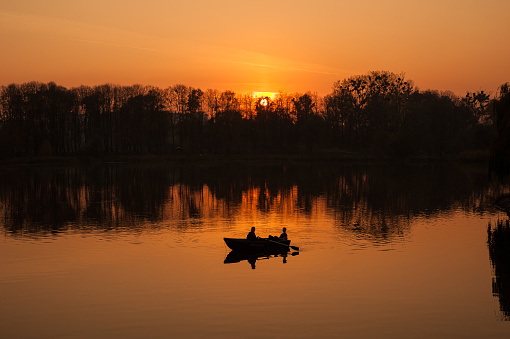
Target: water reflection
(499, 245)
(252, 257)
(160, 249)
(372, 201)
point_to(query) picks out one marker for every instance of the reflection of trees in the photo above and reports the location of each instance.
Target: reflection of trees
(371, 200)
(46, 201)
(499, 243)
(380, 200)
(142, 191)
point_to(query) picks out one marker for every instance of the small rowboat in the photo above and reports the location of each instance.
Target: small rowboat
(261, 244)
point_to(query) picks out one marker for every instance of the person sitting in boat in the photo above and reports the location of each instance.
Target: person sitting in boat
(283, 236)
(251, 235)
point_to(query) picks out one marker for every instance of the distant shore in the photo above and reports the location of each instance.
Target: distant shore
(480, 157)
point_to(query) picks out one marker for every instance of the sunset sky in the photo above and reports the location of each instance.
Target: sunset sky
(291, 46)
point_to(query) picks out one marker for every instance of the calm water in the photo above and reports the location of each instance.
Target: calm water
(131, 252)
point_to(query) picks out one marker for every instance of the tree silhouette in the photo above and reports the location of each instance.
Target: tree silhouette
(380, 112)
(500, 151)
(369, 108)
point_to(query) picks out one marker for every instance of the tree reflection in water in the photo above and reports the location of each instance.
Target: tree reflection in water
(499, 253)
(374, 201)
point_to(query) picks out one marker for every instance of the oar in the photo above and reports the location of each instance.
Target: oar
(295, 248)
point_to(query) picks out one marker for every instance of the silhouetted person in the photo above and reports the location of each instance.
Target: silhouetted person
(283, 236)
(251, 235)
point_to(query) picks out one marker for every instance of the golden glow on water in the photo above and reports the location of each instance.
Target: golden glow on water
(172, 279)
(145, 271)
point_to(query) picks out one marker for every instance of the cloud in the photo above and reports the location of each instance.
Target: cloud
(287, 65)
(48, 27)
(114, 44)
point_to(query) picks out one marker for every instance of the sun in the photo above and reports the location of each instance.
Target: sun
(264, 98)
(270, 95)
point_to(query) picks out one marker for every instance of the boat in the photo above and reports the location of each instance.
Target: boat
(260, 244)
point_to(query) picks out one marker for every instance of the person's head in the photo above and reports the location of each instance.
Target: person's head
(284, 230)
(253, 229)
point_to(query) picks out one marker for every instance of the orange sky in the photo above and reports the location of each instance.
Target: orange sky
(291, 46)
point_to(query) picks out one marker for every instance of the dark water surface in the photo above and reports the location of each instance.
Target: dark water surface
(137, 251)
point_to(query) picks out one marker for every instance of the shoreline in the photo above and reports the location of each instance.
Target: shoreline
(336, 156)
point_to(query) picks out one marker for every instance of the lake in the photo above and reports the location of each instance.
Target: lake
(137, 251)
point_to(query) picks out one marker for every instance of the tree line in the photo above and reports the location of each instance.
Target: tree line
(379, 111)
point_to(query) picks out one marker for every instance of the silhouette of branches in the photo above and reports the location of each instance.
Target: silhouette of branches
(378, 111)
